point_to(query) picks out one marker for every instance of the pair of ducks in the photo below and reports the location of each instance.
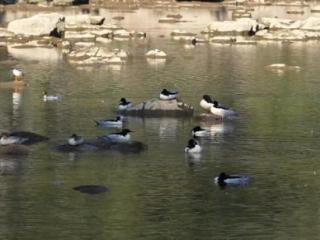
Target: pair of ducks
(214, 107)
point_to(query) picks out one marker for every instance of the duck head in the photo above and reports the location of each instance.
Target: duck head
(192, 143)
(123, 101)
(197, 128)
(207, 98)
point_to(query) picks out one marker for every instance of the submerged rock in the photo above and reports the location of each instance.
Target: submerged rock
(281, 67)
(158, 108)
(101, 144)
(156, 53)
(91, 189)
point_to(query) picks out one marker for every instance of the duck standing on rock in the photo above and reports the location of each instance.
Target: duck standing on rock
(124, 104)
(221, 111)
(193, 147)
(168, 95)
(75, 140)
(123, 136)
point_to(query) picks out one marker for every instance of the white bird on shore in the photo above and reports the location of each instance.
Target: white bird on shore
(47, 97)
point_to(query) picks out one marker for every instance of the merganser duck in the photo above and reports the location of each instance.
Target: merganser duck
(21, 138)
(118, 122)
(206, 102)
(124, 104)
(221, 111)
(47, 97)
(75, 140)
(199, 132)
(17, 74)
(123, 136)
(223, 179)
(168, 95)
(7, 139)
(193, 147)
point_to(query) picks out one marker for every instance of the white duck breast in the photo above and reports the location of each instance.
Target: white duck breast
(205, 105)
(222, 112)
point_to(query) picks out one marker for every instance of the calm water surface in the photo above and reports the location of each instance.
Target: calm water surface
(161, 193)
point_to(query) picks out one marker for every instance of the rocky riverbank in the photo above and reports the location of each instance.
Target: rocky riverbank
(83, 39)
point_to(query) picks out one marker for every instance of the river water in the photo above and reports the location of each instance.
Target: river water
(161, 193)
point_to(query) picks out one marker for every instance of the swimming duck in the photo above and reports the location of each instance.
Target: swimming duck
(118, 122)
(193, 147)
(21, 138)
(17, 74)
(225, 179)
(123, 136)
(221, 111)
(124, 104)
(199, 132)
(75, 140)
(47, 97)
(168, 95)
(206, 102)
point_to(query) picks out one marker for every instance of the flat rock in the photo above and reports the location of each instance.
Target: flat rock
(158, 108)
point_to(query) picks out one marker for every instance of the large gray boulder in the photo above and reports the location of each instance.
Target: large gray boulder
(38, 25)
(158, 108)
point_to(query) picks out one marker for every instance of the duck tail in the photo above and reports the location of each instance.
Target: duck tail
(97, 123)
